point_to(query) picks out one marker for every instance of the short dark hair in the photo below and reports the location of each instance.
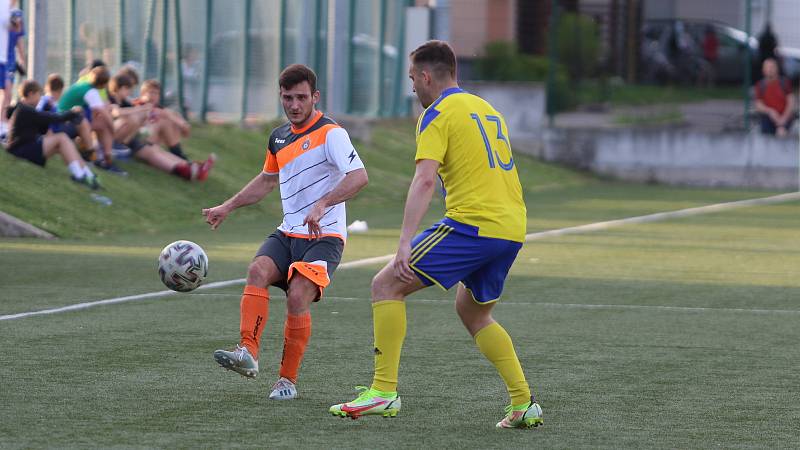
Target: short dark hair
(29, 87)
(99, 77)
(438, 56)
(296, 74)
(130, 71)
(118, 81)
(54, 82)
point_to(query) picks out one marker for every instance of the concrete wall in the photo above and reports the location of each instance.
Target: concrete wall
(669, 155)
(10, 226)
(521, 104)
(676, 156)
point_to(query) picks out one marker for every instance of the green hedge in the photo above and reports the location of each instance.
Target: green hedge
(502, 61)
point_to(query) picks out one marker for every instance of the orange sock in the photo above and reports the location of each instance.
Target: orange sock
(296, 333)
(254, 312)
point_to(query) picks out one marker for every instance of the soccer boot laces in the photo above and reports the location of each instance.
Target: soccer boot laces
(239, 360)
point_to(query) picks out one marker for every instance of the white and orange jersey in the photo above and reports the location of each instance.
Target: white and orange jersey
(311, 162)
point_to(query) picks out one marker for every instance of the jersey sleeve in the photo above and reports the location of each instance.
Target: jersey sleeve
(44, 104)
(340, 151)
(271, 161)
(431, 141)
(93, 99)
(271, 164)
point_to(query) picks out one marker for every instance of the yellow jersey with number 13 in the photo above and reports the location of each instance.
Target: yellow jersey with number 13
(469, 138)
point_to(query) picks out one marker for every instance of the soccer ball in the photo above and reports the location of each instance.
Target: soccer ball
(182, 266)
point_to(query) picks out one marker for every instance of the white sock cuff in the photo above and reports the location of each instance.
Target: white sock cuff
(76, 169)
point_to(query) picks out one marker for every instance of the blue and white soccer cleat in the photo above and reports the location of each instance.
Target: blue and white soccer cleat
(283, 389)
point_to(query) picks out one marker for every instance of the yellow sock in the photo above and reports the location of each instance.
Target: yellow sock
(495, 344)
(389, 324)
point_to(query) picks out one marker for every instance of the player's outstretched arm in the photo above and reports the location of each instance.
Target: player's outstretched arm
(253, 192)
(417, 202)
(350, 185)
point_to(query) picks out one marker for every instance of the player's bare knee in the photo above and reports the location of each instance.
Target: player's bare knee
(382, 286)
(465, 314)
(298, 302)
(257, 274)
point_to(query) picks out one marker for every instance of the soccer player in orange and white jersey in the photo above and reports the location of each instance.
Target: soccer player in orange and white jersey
(317, 168)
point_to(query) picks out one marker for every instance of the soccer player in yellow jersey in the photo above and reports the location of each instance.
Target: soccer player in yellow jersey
(464, 140)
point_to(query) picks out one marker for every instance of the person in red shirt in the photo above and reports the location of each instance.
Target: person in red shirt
(711, 53)
(774, 100)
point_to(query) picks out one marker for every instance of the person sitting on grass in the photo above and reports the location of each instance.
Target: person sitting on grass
(774, 100)
(27, 139)
(86, 94)
(166, 127)
(81, 133)
(128, 120)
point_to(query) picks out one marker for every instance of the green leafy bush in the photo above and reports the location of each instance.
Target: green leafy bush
(578, 45)
(502, 61)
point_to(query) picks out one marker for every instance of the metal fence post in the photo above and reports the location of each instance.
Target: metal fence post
(381, 61)
(148, 37)
(319, 41)
(37, 44)
(282, 47)
(206, 58)
(552, 61)
(314, 57)
(246, 59)
(120, 25)
(281, 50)
(350, 60)
(162, 66)
(69, 42)
(179, 57)
(747, 65)
(399, 107)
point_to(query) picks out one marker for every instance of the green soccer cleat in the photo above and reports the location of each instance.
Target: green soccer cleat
(530, 417)
(368, 403)
(240, 361)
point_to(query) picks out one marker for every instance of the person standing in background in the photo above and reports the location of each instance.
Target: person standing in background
(5, 22)
(767, 43)
(15, 44)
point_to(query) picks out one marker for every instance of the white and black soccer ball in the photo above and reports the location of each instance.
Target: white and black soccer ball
(182, 266)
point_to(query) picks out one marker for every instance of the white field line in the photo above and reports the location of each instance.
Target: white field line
(560, 305)
(601, 306)
(528, 238)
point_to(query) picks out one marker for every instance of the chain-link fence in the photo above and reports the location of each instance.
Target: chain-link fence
(219, 60)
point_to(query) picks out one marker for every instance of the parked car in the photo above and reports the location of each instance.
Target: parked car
(673, 50)
(790, 63)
